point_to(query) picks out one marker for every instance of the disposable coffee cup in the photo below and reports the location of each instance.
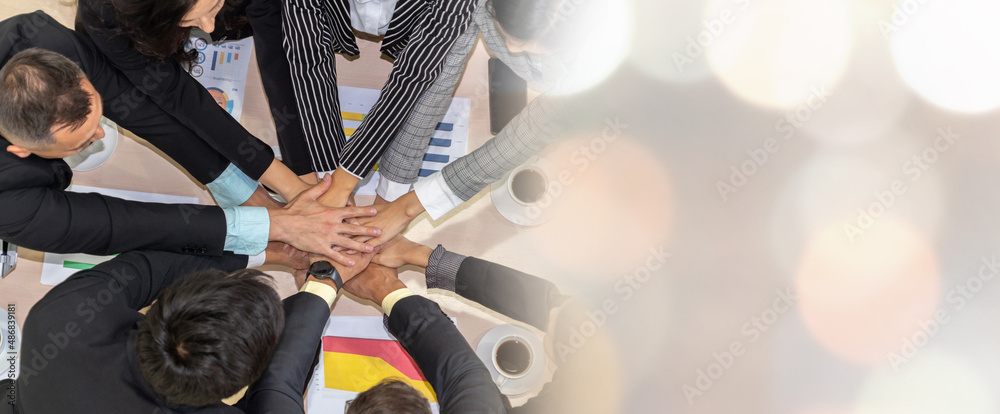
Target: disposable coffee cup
(512, 358)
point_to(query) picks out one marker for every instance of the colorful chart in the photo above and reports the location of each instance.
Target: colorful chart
(358, 353)
(450, 140)
(357, 364)
(222, 69)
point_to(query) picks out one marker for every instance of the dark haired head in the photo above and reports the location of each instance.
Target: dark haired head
(40, 91)
(390, 397)
(209, 335)
(525, 20)
(154, 26)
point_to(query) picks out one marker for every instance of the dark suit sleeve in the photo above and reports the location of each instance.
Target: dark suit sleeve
(461, 381)
(521, 296)
(279, 390)
(57, 221)
(173, 90)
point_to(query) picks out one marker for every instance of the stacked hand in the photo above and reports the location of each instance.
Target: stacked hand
(310, 226)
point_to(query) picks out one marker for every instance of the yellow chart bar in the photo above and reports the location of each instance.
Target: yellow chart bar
(352, 116)
(349, 131)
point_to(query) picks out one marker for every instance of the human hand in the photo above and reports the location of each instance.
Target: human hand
(400, 251)
(310, 226)
(340, 191)
(279, 253)
(374, 283)
(393, 218)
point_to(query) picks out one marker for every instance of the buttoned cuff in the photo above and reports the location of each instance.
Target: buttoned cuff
(324, 291)
(232, 188)
(390, 190)
(435, 195)
(247, 229)
(391, 299)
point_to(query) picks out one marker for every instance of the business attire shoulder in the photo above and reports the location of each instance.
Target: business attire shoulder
(458, 376)
(418, 37)
(78, 345)
(79, 353)
(36, 212)
(171, 88)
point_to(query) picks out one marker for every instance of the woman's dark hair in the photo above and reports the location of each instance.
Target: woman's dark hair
(154, 25)
(209, 335)
(41, 90)
(391, 396)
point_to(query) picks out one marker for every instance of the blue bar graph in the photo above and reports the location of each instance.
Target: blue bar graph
(440, 142)
(436, 157)
(441, 126)
(215, 55)
(425, 172)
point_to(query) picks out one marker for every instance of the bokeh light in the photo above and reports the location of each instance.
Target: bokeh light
(601, 51)
(946, 51)
(782, 52)
(860, 297)
(933, 382)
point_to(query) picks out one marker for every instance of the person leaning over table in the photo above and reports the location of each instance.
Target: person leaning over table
(145, 40)
(522, 297)
(50, 109)
(415, 35)
(462, 382)
(534, 39)
(212, 330)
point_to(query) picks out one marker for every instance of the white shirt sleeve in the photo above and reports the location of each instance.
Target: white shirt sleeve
(435, 195)
(390, 190)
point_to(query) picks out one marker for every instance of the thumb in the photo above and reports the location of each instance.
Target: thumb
(319, 189)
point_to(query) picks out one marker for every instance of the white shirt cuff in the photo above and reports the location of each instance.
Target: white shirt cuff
(256, 260)
(435, 195)
(390, 190)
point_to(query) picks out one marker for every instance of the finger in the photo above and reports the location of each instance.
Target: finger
(318, 189)
(349, 244)
(340, 258)
(358, 230)
(350, 212)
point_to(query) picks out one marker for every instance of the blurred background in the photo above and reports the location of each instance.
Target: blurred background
(820, 176)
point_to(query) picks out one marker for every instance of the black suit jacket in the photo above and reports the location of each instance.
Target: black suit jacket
(461, 381)
(36, 212)
(78, 348)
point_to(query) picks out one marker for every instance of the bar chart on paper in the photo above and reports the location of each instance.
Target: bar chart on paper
(450, 140)
(222, 69)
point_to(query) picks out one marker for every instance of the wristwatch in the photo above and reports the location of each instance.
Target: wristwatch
(325, 270)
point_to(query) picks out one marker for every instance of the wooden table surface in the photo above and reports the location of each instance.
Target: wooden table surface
(476, 228)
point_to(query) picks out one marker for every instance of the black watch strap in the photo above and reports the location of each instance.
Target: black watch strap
(325, 270)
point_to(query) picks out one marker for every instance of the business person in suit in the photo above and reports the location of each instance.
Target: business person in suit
(416, 35)
(213, 330)
(460, 380)
(523, 34)
(145, 40)
(522, 297)
(50, 108)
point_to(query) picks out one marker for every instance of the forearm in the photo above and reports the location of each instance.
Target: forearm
(341, 189)
(281, 179)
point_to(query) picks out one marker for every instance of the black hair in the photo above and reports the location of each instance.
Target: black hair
(209, 335)
(154, 28)
(39, 91)
(391, 396)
